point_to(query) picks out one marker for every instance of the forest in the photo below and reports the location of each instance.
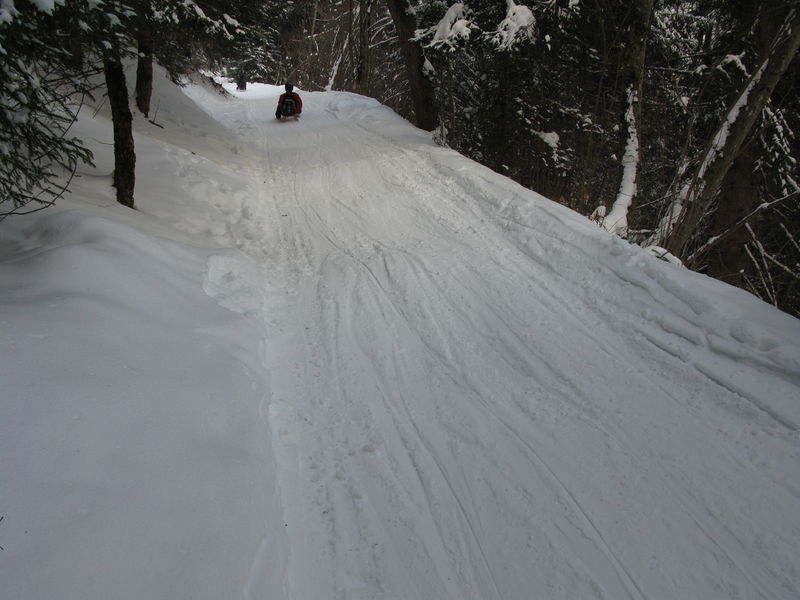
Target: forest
(669, 123)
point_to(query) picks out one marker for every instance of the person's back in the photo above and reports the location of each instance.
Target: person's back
(289, 104)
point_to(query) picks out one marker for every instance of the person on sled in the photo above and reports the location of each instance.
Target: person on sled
(289, 104)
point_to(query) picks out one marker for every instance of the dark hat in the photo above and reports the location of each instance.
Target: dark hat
(289, 87)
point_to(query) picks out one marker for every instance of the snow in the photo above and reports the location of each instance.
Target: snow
(552, 139)
(330, 359)
(736, 60)
(517, 25)
(230, 20)
(46, 6)
(8, 12)
(616, 221)
(453, 26)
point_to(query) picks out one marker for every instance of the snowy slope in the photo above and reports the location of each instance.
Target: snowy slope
(328, 359)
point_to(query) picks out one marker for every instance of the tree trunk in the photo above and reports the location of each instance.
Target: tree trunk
(739, 195)
(144, 73)
(617, 219)
(726, 144)
(422, 94)
(727, 258)
(124, 154)
(144, 66)
(352, 46)
(364, 66)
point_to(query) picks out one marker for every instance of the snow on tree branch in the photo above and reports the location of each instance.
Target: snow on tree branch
(452, 27)
(517, 26)
(457, 24)
(8, 12)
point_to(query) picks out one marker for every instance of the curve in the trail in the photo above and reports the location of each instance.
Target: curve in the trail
(476, 396)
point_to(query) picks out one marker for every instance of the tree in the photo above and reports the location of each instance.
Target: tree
(110, 37)
(144, 62)
(42, 85)
(122, 119)
(723, 148)
(55, 50)
(255, 46)
(350, 46)
(178, 34)
(56, 47)
(616, 221)
(415, 63)
(746, 227)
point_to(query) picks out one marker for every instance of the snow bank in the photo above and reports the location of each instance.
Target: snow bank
(134, 455)
(134, 460)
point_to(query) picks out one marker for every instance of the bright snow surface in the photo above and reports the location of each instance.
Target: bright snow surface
(327, 359)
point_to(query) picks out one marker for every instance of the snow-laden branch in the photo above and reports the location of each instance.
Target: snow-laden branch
(518, 26)
(46, 6)
(744, 221)
(457, 25)
(8, 12)
(454, 26)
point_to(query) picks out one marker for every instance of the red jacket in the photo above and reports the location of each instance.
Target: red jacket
(297, 99)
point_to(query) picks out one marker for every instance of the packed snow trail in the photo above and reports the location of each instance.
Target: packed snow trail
(474, 395)
(327, 359)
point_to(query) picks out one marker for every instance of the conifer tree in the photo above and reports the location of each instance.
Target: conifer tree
(42, 84)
